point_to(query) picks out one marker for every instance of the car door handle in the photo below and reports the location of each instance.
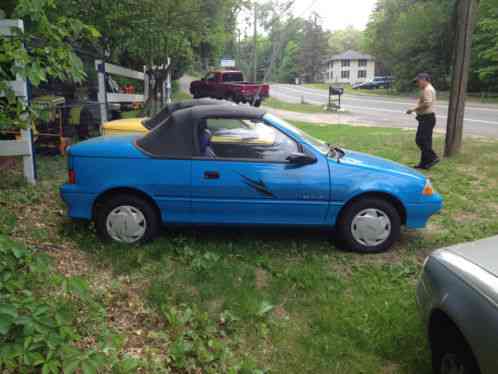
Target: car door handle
(211, 175)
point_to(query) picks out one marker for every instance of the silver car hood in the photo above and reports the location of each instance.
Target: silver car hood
(476, 263)
(483, 253)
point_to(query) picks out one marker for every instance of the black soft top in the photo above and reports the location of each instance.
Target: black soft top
(177, 137)
(164, 113)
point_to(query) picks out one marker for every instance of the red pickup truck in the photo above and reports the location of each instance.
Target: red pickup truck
(229, 85)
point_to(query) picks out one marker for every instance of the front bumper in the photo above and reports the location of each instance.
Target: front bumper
(417, 215)
(80, 205)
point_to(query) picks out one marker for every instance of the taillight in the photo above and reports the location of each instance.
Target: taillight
(71, 176)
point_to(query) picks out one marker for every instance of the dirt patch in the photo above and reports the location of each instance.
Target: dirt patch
(69, 262)
(262, 278)
(279, 312)
(128, 314)
(390, 368)
(215, 306)
(7, 163)
(465, 217)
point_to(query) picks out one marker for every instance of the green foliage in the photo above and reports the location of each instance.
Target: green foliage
(44, 328)
(44, 50)
(346, 39)
(197, 342)
(413, 36)
(485, 56)
(288, 70)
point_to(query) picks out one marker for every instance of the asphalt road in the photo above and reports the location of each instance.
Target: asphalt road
(480, 119)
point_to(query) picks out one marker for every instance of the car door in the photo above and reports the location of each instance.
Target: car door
(210, 85)
(249, 181)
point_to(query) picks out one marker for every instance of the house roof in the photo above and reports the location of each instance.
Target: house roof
(350, 55)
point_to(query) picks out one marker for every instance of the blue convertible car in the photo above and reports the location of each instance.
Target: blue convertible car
(236, 165)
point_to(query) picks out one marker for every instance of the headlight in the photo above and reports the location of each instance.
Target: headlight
(428, 189)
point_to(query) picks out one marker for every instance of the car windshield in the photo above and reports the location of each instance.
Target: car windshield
(320, 145)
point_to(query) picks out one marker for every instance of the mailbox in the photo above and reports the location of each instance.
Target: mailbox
(335, 98)
(337, 91)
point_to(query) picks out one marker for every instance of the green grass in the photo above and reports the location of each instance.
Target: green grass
(293, 107)
(348, 89)
(287, 299)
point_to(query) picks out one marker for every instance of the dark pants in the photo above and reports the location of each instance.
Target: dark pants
(426, 123)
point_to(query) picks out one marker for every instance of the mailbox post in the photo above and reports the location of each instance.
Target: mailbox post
(335, 94)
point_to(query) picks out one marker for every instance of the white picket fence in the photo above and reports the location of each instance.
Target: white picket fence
(24, 146)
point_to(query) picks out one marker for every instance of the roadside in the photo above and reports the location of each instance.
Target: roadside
(480, 119)
(474, 98)
(285, 100)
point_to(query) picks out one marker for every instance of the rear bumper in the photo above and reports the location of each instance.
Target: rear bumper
(80, 205)
(417, 215)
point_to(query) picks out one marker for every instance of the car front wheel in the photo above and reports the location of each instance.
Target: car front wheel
(127, 219)
(369, 225)
(451, 354)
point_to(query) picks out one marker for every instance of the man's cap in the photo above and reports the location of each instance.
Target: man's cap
(422, 76)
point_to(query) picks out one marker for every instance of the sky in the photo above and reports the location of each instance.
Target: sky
(337, 14)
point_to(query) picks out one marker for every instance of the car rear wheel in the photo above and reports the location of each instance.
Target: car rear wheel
(452, 355)
(369, 225)
(127, 219)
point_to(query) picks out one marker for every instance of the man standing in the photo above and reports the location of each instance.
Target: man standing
(426, 121)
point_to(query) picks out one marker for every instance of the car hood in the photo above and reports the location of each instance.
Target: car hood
(476, 263)
(483, 253)
(380, 164)
(107, 146)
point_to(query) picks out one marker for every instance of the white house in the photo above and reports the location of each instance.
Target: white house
(349, 67)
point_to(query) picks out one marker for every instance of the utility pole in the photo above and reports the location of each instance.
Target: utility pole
(255, 42)
(466, 11)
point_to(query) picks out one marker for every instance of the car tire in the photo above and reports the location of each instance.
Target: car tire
(139, 217)
(368, 225)
(452, 352)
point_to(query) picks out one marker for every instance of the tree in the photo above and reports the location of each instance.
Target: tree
(288, 70)
(313, 49)
(346, 39)
(44, 50)
(410, 36)
(485, 56)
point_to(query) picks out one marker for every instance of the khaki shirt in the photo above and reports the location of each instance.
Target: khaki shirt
(426, 100)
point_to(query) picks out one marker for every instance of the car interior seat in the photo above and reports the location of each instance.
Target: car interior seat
(205, 143)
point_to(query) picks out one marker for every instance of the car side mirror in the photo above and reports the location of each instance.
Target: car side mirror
(299, 158)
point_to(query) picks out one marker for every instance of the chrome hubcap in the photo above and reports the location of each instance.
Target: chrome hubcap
(450, 364)
(371, 227)
(126, 224)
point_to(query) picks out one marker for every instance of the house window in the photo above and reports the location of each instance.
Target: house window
(362, 63)
(345, 63)
(362, 73)
(345, 74)
(331, 75)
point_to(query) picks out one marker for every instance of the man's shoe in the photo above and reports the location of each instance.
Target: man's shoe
(420, 166)
(432, 163)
